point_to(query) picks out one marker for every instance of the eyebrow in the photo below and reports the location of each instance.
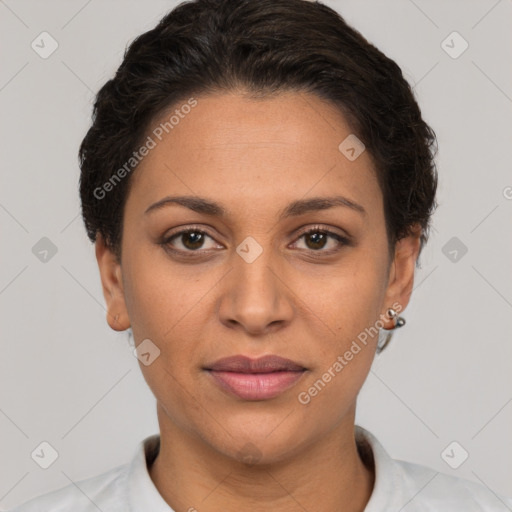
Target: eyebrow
(299, 207)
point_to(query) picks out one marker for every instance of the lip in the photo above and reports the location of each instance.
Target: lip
(264, 364)
(255, 379)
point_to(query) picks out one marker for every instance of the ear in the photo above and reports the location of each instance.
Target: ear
(112, 284)
(401, 274)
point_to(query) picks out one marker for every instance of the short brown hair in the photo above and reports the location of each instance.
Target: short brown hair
(264, 47)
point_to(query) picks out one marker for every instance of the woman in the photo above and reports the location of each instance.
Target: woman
(258, 182)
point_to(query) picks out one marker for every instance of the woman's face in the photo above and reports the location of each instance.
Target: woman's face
(253, 283)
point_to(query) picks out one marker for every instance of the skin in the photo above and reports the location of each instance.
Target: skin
(254, 157)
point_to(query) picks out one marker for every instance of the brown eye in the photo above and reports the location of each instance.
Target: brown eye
(317, 239)
(188, 240)
(192, 239)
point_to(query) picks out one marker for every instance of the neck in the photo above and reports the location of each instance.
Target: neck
(189, 474)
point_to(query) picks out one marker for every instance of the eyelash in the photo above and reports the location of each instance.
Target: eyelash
(342, 241)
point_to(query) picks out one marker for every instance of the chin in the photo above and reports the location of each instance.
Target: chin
(262, 441)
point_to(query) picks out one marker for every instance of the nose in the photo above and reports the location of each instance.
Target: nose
(255, 297)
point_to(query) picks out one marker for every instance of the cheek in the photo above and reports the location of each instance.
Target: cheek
(157, 296)
(331, 393)
(160, 304)
(350, 307)
(167, 306)
(352, 300)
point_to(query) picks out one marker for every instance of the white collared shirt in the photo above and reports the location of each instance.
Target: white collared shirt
(399, 487)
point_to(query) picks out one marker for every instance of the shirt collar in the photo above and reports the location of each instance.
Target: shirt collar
(385, 494)
(141, 491)
(143, 495)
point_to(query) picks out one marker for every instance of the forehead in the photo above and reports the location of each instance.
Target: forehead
(259, 150)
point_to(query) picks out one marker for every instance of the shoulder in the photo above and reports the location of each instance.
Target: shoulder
(409, 487)
(103, 492)
(431, 490)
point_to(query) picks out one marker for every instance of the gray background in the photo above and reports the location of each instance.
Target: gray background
(67, 379)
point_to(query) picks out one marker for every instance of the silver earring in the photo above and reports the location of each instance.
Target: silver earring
(385, 335)
(131, 341)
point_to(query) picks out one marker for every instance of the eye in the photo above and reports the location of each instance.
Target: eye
(317, 238)
(190, 240)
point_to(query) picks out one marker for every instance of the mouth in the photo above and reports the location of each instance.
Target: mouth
(255, 379)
